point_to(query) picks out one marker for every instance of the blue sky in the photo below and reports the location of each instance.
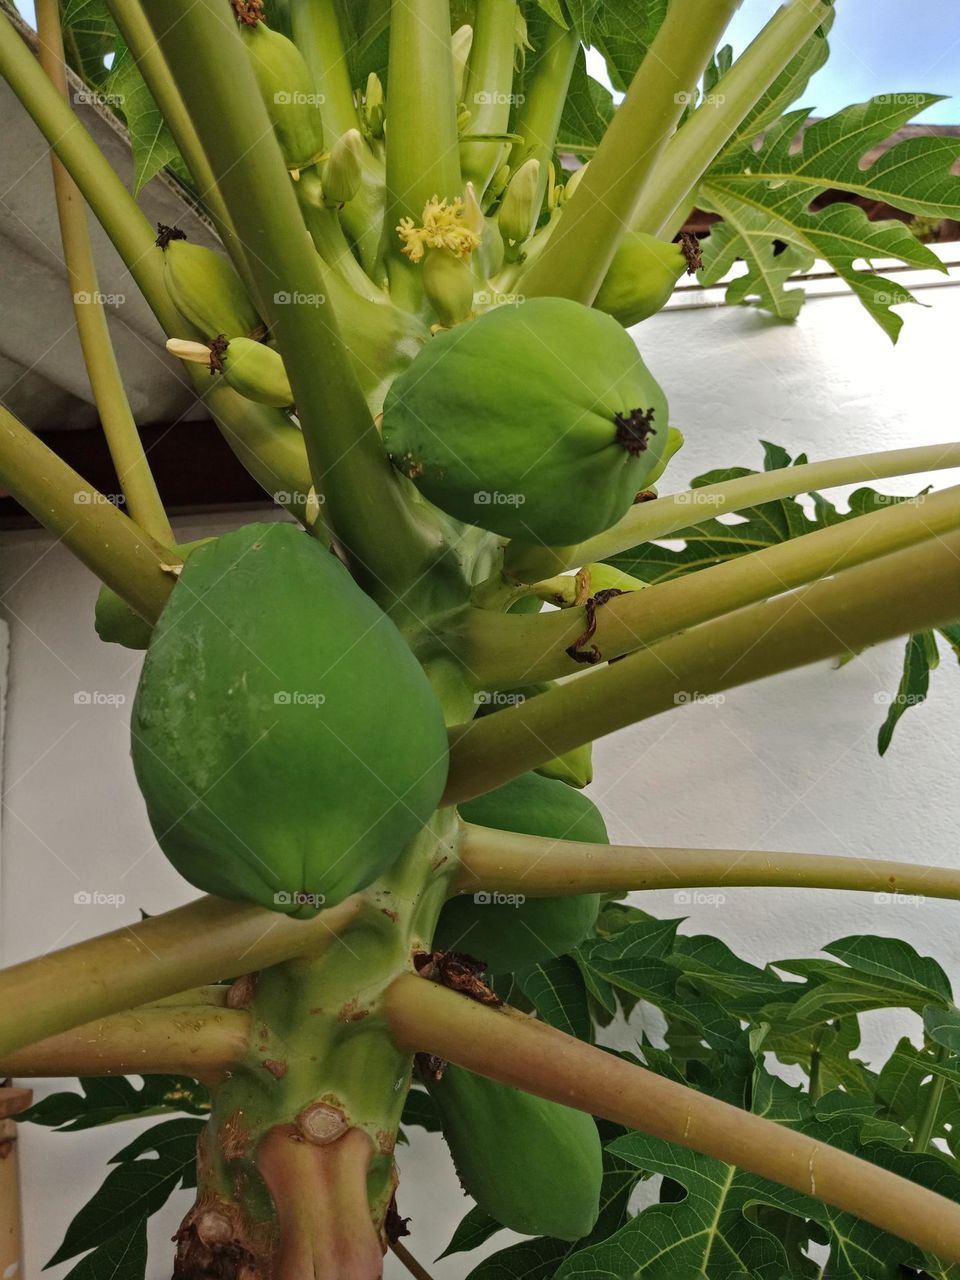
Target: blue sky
(878, 46)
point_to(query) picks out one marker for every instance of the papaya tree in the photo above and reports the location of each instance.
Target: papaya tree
(358, 732)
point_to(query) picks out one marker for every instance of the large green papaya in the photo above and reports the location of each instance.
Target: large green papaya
(538, 421)
(535, 1166)
(506, 935)
(286, 741)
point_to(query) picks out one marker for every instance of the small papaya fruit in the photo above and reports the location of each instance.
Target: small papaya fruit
(286, 741)
(533, 1165)
(574, 767)
(448, 285)
(251, 368)
(537, 421)
(507, 936)
(288, 93)
(643, 275)
(206, 290)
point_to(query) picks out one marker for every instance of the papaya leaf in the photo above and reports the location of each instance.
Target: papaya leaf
(943, 1026)
(920, 657)
(787, 88)
(587, 111)
(109, 1099)
(904, 1085)
(421, 1110)
(472, 1231)
(121, 1257)
(892, 959)
(623, 32)
(764, 198)
(130, 1193)
(153, 146)
(557, 991)
(90, 36)
(172, 1140)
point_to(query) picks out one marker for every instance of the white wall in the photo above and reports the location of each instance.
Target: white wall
(789, 764)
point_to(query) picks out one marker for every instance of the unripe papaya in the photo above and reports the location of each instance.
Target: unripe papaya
(538, 421)
(533, 1165)
(642, 276)
(207, 291)
(506, 936)
(288, 93)
(251, 368)
(448, 285)
(286, 741)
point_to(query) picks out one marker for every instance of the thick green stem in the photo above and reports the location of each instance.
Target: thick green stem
(545, 92)
(581, 246)
(204, 942)
(930, 1114)
(505, 862)
(188, 1040)
(316, 32)
(123, 439)
(506, 651)
(118, 551)
(523, 1052)
(115, 208)
(488, 91)
(696, 145)
(897, 594)
(364, 505)
(423, 156)
(649, 520)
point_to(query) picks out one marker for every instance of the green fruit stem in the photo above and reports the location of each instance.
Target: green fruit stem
(521, 1051)
(690, 152)
(576, 258)
(504, 651)
(102, 188)
(422, 149)
(488, 89)
(206, 941)
(650, 520)
(363, 499)
(193, 1040)
(114, 547)
(545, 93)
(897, 594)
(123, 440)
(505, 862)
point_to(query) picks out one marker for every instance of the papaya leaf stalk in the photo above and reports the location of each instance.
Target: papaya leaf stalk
(364, 504)
(695, 146)
(506, 862)
(488, 90)
(123, 439)
(897, 594)
(581, 247)
(198, 1041)
(116, 549)
(650, 520)
(206, 941)
(504, 651)
(521, 1051)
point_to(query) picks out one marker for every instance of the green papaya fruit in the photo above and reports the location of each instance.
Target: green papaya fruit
(286, 741)
(533, 1165)
(575, 767)
(288, 93)
(448, 285)
(604, 577)
(250, 368)
(643, 275)
(537, 421)
(505, 934)
(116, 623)
(207, 291)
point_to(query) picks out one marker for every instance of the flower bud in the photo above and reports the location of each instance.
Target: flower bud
(343, 171)
(373, 107)
(520, 208)
(460, 44)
